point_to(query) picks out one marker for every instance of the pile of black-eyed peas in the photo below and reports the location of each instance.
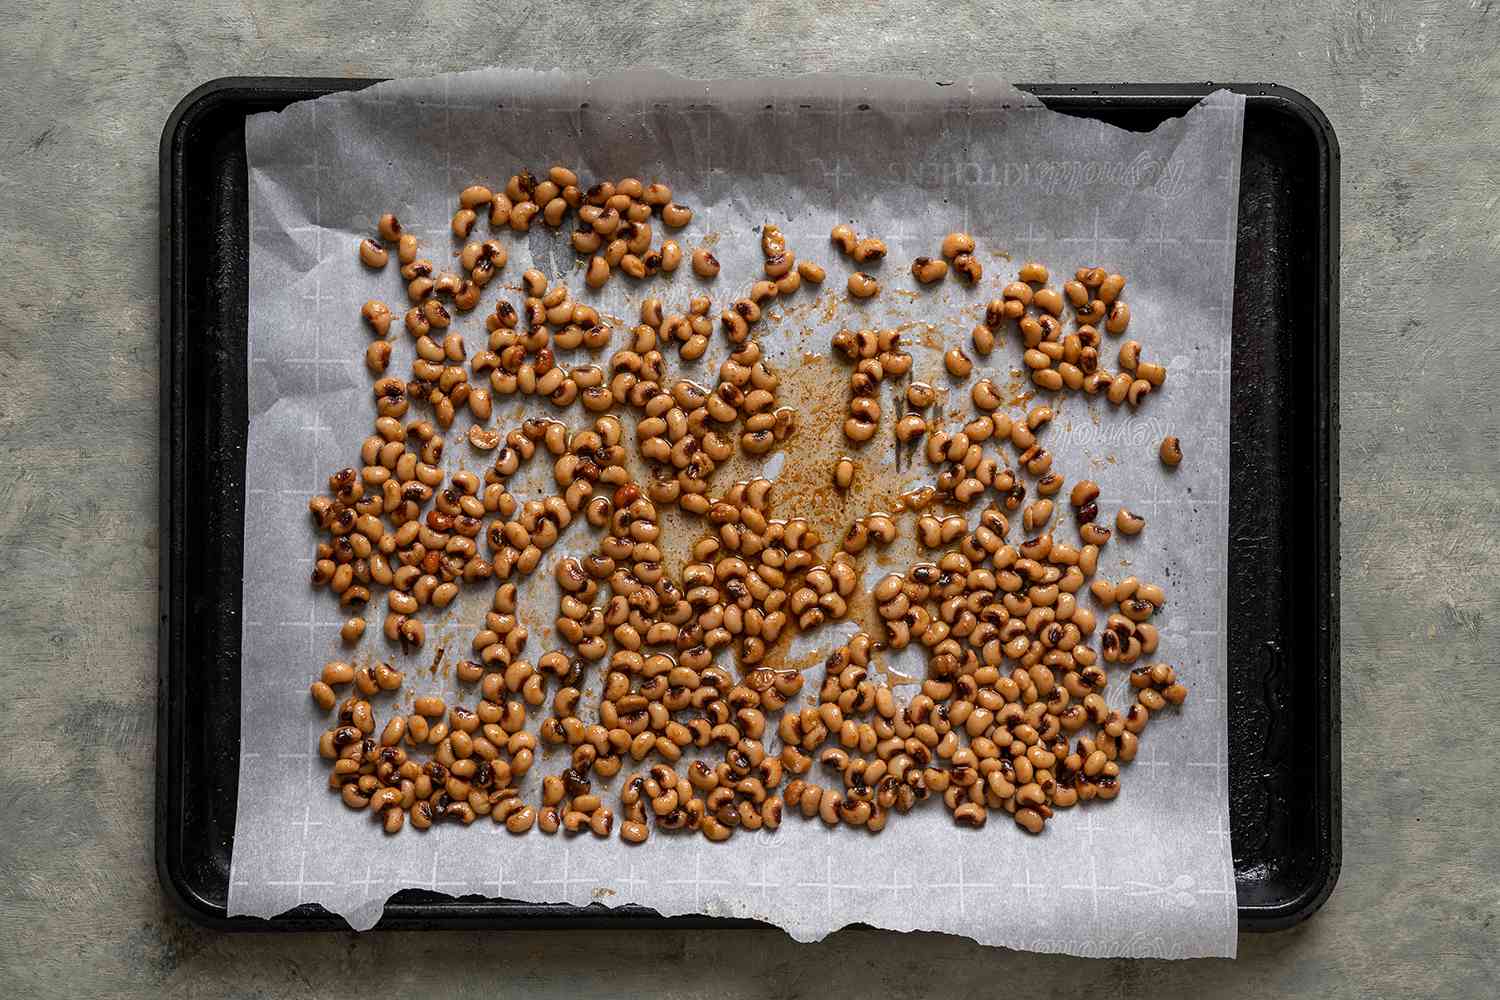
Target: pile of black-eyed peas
(694, 693)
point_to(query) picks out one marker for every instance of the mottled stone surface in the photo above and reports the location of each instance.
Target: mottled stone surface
(84, 90)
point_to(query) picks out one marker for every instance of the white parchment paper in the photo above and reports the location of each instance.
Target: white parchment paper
(1149, 874)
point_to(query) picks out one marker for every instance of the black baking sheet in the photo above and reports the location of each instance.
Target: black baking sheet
(1284, 773)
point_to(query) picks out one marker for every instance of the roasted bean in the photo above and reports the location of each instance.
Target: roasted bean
(862, 285)
(1128, 523)
(1170, 451)
(372, 254)
(705, 264)
(957, 243)
(958, 363)
(929, 269)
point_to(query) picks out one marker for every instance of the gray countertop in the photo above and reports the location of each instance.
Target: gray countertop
(84, 90)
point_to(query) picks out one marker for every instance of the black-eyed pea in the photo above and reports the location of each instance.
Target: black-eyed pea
(1039, 417)
(1119, 387)
(1119, 318)
(671, 256)
(1033, 273)
(1130, 355)
(1170, 451)
(1129, 523)
(705, 264)
(1091, 533)
(1049, 379)
(1090, 314)
(323, 695)
(372, 254)
(929, 269)
(958, 364)
(1139, 389)
(378, 315)
(957, 243)
(1111, 287)
(406, 248)
(1150, 371)
(967, 266)
(986, 396)
(676, 215)
(351, 630)
(1048, 300)
(521, 214)
(921, 395)
(843, 473)
(984, 339)
(863, 285)
(910, 427)
(598, 272)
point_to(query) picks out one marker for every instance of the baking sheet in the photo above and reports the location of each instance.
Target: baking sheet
(1148, 874)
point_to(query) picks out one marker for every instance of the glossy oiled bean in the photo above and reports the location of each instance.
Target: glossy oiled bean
(808, 271)
(352, 629)
(958, 363)
(956, 243)
(921, 395)
(372, 254)
(843, 473)
(676, 215)
(967, 266)
(929, 269)
(378, 315)
(1128, 523)
(705, 264)
(862, 285)
(1170, 451)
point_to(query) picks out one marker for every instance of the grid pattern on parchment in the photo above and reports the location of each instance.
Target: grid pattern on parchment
(309, 405)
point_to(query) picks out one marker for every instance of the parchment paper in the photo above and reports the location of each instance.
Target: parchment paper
(1149, 874)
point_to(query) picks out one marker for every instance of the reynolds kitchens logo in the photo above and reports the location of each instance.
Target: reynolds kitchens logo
(1164, 178)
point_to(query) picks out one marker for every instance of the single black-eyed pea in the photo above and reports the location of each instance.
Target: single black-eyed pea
(676, 215)
(984, 339)
(808, 271)
(958, 363)
(1033, 273)
(968, 266)
(598, 272)
(705, 264)
(1110, 288)
(1129, 523)
(862, 285)
(1049, 379)
(1151, 372)
(1049, 300)
(372, 254)
(1130, 354)
(843, 473)
(378, 315)
(671, 256)
(986, 396)
(957, 243)
(1119, 318)
(1170, 451)
(1138, 390)
(910, 427)
(929, 269)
